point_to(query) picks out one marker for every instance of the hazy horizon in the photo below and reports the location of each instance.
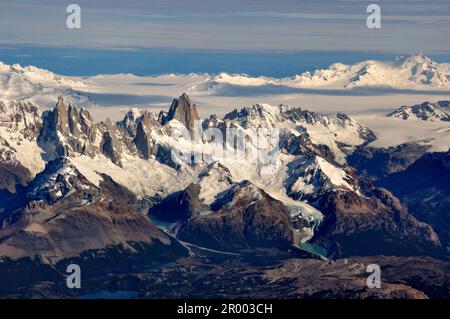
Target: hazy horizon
(407, 26)
(148, 62)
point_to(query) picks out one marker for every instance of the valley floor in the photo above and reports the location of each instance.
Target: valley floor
(216, 276)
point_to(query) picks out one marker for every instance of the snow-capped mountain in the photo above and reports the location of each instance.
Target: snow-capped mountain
(303, 185)
(39, 86)
(64, 215)
(141, 142)
(411, 71)
(426, 111)
(20, 156)
(415, 71)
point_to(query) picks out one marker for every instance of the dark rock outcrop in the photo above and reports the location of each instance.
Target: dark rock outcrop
(424, 187)
(179, 206)
(243, 218)
(143, 138)
(371, 225)
(67, 131)
(379, 163)
(183, 110)
(426, 112)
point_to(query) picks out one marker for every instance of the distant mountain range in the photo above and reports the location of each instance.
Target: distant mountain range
(413, 72)
(427, 111)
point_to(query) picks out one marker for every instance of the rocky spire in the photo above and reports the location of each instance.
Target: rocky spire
(73, 120)
(143, 139)
(60, 116)
(182, 110)
(110, 147)
(66, 130)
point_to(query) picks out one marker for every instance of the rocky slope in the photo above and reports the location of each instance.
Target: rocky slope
(379, 224)
(379, 163)
(426, 111)
(425, 189)
(241, 218)
(63, 215)
(20, 160)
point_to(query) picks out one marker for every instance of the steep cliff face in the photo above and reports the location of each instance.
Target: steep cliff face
(143, 139)
(69, 132)
(183, 110)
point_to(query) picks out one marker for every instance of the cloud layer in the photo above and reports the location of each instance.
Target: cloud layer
(239, 25)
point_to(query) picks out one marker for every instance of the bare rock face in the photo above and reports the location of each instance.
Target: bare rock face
(369, 225)
(426, 112)
(302, 145)
(244, 217)
(128, 123)
(143, 138)
(180, 206)
(61, 116)
(379, 163)
(183, 110)
(67, 131)
(110, 147)
(424, 187)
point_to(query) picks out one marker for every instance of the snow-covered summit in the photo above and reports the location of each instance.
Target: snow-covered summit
(37, 85)
(412, 71)
(415, 71)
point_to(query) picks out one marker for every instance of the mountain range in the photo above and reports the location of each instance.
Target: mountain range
(426, 111)
(416, 72)
(413, 72)
(112, 197)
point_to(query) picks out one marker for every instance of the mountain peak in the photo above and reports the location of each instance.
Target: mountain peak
(426, 112)
(417, 57)
(183, 110)
(59, 179)
(185, 97)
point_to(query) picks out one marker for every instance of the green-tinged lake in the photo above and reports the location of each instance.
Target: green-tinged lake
(314, 249)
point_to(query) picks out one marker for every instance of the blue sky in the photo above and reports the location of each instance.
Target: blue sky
(408, 26)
